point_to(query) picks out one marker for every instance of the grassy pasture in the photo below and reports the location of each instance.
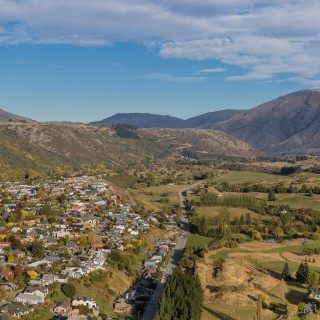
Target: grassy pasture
(293, 200)
(251, 176)
(234, 212)
(156, 197)
(195, 240)
(218, 311)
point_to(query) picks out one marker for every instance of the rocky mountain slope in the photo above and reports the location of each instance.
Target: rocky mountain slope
(38, 145)
(7, 116)
(208, 119)
(289, 124)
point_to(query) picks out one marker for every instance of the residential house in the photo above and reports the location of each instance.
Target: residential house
(51, 278)
(310, 308)
(5, 244)
(15, 310)
(37, 291)
(26, 298)
(314, 294)
(62, 308)
(84, 302)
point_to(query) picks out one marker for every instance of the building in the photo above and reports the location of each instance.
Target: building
(26, 298)
(84, 302)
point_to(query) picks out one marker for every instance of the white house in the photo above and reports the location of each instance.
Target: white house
(84, 302)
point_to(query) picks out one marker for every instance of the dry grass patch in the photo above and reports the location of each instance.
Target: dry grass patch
(237, 282)
(293, 257)
(234, 212)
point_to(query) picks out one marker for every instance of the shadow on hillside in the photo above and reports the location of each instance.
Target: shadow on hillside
(218, 314)
(295, 296)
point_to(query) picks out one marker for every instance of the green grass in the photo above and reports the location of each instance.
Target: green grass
(157, 197)
(224, 253)
(296, 293)
(251, 176)
(313, 244)
(293, 200)
(195, 240)
(219, 311)
(274, 266)
(234, 212)
(98, 290)
(298, 200)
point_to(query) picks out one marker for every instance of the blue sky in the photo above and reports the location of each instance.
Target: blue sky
(86, 60)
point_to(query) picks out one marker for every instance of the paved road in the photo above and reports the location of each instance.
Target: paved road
(152, 307)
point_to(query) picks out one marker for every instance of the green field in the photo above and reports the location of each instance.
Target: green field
(156, 197)
(299, 200)
(234, 212)
(312, 244)
(195, 240)
(293, 200)
(251, 176)
(217, 311)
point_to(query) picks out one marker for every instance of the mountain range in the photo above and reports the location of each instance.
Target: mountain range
(148, 120)
(288, 124)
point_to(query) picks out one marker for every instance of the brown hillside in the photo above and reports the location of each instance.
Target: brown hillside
(288, 124)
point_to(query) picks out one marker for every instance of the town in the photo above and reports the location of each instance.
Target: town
(57, 233)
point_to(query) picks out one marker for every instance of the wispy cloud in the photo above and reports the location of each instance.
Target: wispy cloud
(264, 37)
(212, 70)
(172, 78)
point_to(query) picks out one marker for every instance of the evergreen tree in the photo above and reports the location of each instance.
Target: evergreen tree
(271, 195)
(182, 297)
(285, 274)
(68, 289)
(302, 272)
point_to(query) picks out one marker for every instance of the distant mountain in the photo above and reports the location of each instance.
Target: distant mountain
(208, 119)
(289, 124)
(142, 120)
(148, 120)
(7, 116)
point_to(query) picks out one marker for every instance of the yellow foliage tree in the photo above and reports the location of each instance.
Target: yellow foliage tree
(10, 257)
(10, 224)
(32, 274)
(24, 214)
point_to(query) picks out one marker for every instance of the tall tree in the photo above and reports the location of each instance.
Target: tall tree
(302, 272)
(271, 195)
(285, 274)
(182, 297)
(312, 280)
